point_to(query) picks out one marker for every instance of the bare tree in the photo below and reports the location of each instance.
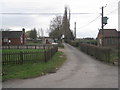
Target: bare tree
(55, 31)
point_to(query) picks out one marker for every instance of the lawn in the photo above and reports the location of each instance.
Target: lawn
(30, 70)
(33, 42)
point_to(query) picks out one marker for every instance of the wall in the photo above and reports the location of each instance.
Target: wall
(14, 41)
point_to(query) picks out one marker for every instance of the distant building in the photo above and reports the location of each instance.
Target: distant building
(13, 37)
(47, 40)
(107, 38)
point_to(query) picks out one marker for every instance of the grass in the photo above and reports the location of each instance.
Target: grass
(33, 70)
(33, 42)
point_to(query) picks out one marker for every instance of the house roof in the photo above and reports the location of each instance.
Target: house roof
(109, 32)
(11, 34)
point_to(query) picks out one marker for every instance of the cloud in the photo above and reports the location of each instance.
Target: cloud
(57, 6)
(17, 20)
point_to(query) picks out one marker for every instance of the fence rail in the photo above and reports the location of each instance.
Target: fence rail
(29, 56)
(42, 46)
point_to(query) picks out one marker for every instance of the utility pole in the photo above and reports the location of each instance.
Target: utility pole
(102, 17)
(75, 30)
(104, 22)
(102, 27)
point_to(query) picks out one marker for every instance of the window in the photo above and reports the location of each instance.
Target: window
(5, 40)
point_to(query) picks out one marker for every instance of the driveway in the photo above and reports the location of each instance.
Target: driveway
(79, 71)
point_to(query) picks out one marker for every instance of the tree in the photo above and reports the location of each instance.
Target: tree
(56, 34)
(55, 28)
(66, 27)
(33, 34)
(61, 26)
(27, 33)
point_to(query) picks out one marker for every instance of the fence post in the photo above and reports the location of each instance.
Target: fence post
(17, 47)
(21, 57)
(56, 48)
(44, 47)
(26, 46)
(51, 52)
(8, 46)
(45, 56)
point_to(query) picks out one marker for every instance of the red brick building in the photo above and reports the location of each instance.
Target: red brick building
(13, 37)
(108, 38)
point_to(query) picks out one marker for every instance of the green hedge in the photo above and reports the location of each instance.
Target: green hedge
(77, 43)
(101, 53)
(74, 43)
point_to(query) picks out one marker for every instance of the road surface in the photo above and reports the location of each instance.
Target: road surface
(79, 71)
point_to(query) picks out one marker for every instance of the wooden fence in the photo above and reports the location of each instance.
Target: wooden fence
(101, 53)
(42, 46)
(29, 56)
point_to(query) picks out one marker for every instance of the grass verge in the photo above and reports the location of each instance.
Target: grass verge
(33, 70)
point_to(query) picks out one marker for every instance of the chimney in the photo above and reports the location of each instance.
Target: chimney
(23, 35)
(23, 30)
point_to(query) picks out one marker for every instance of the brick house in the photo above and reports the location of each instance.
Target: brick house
(107, 38)
(13, 37)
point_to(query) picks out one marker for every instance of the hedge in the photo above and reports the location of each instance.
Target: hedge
(100, 53)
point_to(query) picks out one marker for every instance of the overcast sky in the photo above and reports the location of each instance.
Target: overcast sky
(88, 20)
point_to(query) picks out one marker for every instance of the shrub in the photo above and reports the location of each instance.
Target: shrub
(60, 45)
(74, 43)
(93, 42)
(101, 53)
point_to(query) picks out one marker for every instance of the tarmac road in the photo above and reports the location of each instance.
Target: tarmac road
(79, 71)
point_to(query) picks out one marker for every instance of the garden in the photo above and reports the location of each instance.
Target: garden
(27, 63)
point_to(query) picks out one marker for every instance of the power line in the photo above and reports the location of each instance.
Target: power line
(90, 22)
(42, 13)
(111, 5)
(112, 11)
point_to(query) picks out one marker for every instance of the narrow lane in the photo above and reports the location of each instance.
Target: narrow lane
(79, 71)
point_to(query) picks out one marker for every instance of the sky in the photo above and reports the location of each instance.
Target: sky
(86, 14)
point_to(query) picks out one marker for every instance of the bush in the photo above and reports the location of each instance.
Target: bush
(101, 53)
(93, 42)
(60, 45)
(74, 43)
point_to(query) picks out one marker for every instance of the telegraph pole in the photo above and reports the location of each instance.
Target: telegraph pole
(104, 22)
(102, 17)
(102, 27)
